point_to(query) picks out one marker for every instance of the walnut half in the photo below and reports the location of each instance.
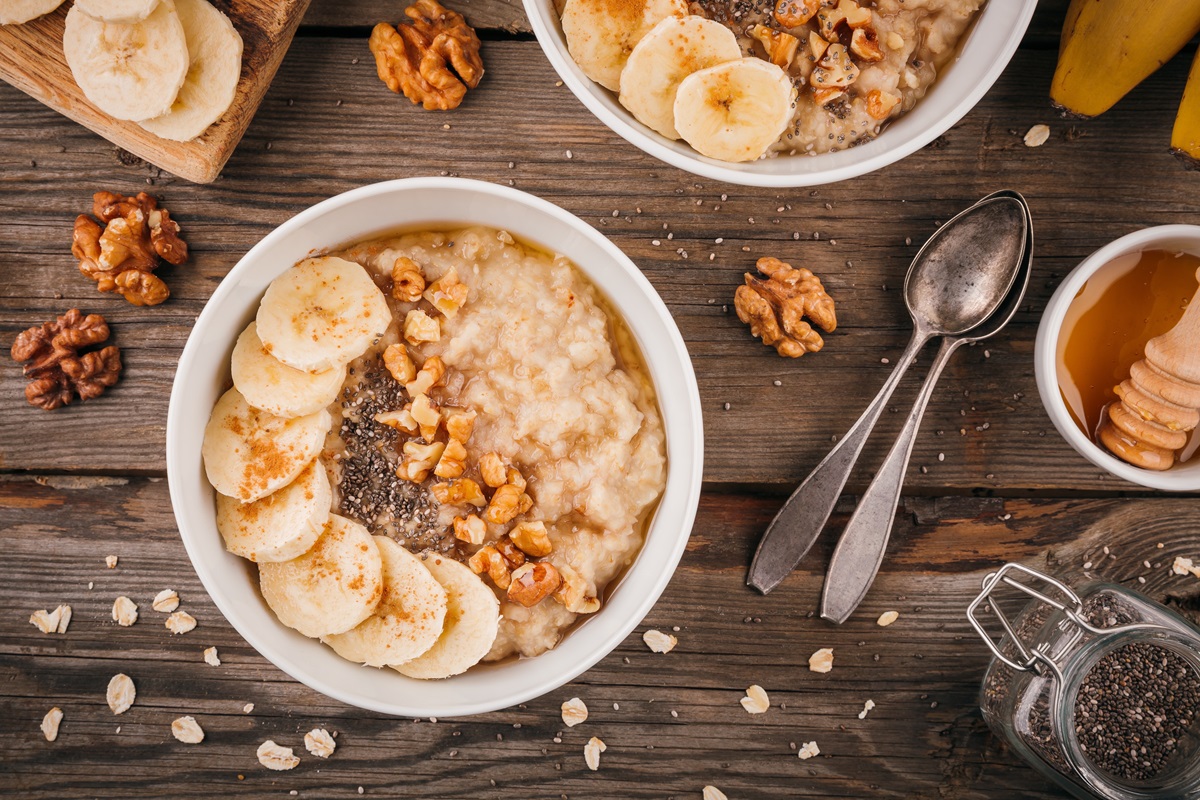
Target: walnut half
(775, 308)
(433, 60)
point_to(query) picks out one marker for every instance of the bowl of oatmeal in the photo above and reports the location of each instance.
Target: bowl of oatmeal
(779, 93)
(417, 449)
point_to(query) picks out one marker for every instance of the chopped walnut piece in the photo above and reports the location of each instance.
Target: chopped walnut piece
(447, 294)
(531, 539)
(419, 460)
(460, 491)
(401, 420)
(513, 555)
(513, 475)
(453, 462)
(459, 424)
(426, 415)
(408, 282)
(57, 370)
(470, 529)
(881, 103)
(533, 582)
(432, 372)
(574, 711)
(506, 503)
(821, 661)
(780, 47)
(432, 61)
(488, 561)
(492, 469)
(824, 97)
(816, 45)
(420, 327)
(835, 69)
(573, 593)
(864, 43)
(895, 41)
(794, 13)
(775, 308)
(846, 11)
(398, 363)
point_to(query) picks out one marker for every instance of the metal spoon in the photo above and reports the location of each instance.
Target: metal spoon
(859, 552)
(957, 280)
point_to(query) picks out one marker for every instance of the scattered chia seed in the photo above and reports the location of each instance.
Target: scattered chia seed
(1133, 709)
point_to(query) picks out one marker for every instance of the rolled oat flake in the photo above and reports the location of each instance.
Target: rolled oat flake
(1098, 689)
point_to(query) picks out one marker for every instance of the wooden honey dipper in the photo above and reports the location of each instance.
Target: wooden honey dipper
(1159, 403)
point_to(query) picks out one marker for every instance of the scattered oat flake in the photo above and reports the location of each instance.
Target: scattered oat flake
(659, 642)
(319, 743)
(821, 661)
(165, 601)
(111, 561)
(272, 756)
(50, 723)
(121, 693)
(211, 658)
(574, 711)
(713, 793)
(55, 621)
(124, 611)
(809, 750)
(246, 709)
(887, 618)
(1185, 566)
(867, 706)
(756, 700)
(592, 751)
(180, 622)
(1037, 136)
(187, 730)
(64, 620)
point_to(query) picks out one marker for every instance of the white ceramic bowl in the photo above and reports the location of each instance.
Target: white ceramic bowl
(1184, 238)
(983, 54)
(203, 374)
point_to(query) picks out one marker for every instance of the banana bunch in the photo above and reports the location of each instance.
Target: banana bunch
(1110, 46)
(681, 75)
(366, 597)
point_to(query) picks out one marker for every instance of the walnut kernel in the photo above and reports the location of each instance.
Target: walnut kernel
(408, 282)
(433, 60)
(775, 308)
(533, 582)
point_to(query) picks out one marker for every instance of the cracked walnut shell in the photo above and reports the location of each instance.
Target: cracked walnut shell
(775, 308)
(431, 61)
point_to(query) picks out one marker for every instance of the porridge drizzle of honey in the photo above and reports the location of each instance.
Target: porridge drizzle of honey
(1128, 303)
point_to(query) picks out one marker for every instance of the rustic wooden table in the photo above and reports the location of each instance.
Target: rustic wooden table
(991, 480)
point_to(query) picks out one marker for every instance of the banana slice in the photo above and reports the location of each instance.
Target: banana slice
(321, 313)
(736, 110)
(282, 525)
(408, 619)
(248, 454)
(601, 33)
(215, 49)
(272, 386)
(15, 12)
(673, 49)
(332, 587)
(129, 71)
(472, 620)
(121, 11)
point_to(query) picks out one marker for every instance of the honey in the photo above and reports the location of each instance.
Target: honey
(1123, 306)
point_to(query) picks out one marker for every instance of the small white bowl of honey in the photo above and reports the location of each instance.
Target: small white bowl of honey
(1117, 358)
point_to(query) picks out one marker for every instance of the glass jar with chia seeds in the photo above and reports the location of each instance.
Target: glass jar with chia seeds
(1098, 689)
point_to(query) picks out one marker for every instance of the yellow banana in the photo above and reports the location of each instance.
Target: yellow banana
(1185, 138)
(1110, 46)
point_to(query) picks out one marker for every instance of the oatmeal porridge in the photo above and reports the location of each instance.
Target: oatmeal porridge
(556, 394)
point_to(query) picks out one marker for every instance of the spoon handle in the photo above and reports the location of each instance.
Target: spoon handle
(860, 549)
(799, 522)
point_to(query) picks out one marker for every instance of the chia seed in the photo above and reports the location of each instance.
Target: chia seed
(1134, 709)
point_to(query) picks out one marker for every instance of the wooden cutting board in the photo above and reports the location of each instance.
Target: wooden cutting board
(31, 59)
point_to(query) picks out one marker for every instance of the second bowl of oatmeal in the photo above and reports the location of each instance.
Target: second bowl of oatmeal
(867, 82)
(528, 426)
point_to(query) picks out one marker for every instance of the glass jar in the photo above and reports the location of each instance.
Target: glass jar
(1099, 690)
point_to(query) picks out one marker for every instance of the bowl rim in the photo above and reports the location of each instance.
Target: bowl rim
(654, 144)
(1046, 355)
(691, 480)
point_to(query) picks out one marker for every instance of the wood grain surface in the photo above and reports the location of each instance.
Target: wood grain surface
(991, 479)
(32, 60)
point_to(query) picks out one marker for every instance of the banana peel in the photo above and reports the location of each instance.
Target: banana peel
(1185, 137)
(1110, 46)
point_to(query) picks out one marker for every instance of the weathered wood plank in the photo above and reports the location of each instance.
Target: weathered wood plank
(678, 725)
(304, 146)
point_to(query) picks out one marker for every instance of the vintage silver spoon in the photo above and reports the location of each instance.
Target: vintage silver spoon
(859, 552)
(957, 280)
